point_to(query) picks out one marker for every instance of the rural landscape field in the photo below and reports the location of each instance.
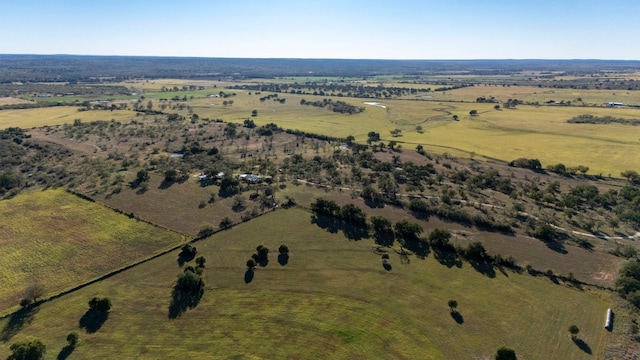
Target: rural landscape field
(274, 209)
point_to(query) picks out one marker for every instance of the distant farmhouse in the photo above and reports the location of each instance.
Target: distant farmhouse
(613, 104)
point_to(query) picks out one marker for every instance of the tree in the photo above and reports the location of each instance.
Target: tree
(33, 292)
(102, 305)
(32, 350)
(473, 112)
(455, 117)
(72, 339)
(325, 207)
(283, 249)
(200, 261)
(407, 231)
(631, 175)
(380, 224)
(372, 136)
(254, 113)
(504, 353)
(352, 214)
(476, 251)
(496, 106)
(453, 305)
(251, 264)
(573, 330)
(440, 238)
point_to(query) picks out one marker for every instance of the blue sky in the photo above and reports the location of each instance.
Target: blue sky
(393, 29)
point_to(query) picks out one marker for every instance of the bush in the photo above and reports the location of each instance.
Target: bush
(226, 223)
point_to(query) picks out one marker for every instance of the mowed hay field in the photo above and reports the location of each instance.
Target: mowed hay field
(57, 115)
(540, 132)
(59, 240)
(333, 299)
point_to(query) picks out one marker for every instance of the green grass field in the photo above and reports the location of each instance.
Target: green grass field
(59, 240)
(332, 300)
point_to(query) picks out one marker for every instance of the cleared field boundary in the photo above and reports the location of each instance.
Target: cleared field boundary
(134, 264)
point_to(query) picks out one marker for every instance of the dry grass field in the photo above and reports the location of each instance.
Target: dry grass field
(332, 299)
(528, 131)
(57, 115)
(59, 240)
(11, 101)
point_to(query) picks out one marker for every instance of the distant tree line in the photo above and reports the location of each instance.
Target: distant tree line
(336, 106)
(591, 119)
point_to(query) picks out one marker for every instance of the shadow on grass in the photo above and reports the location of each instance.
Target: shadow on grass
(556, 246)
(248, 276)
(182, 300)
(283, 259)
(582, 345)
(483, 267)
(65, 352)
(93, 320)
(418, 247)
(327, 223)
(447, 257)
(375, 204)
(17, 321)
(333, 225)
(384, 239)
(457, 317)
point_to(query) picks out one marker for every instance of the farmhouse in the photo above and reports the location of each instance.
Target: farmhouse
(613, 104)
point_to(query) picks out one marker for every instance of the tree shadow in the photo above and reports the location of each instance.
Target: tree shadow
(248, 276)
(328, 223)
(422, 215)
(387, 266)
(185, 258)
(556, 246)
(418, 247)
(17, 321)
(355, 232)
(483, 267)
(182, 300)
(375, 204)
(165, 184)
(283, 259)
(65, 352)
(263, 261)
(93, 320)
(384, 239)
(582, 345)
(447, 257)
(457, 316)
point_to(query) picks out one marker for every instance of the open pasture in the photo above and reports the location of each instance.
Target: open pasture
(528, 131)
(59, 240)
(333, 298)
(57, 115)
